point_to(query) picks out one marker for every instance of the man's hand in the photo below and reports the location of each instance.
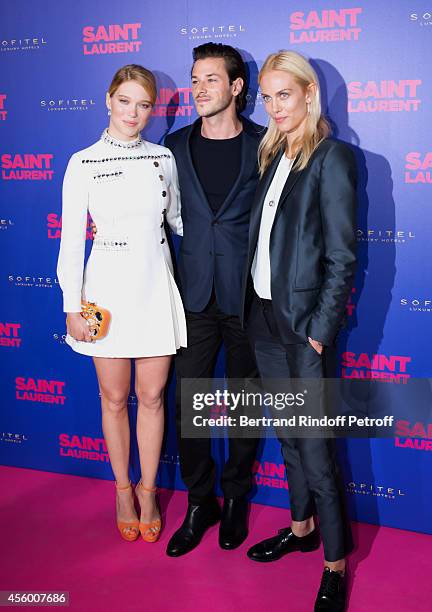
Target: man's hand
(318, 346)
(77, 327)
(93, 229)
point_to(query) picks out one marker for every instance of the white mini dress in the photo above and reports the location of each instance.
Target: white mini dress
(129, 189)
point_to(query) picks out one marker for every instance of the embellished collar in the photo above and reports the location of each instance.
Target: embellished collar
(114, 142)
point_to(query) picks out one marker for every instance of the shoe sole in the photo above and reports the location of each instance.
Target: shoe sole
(343, 609)
(230, 547)
(303, 550)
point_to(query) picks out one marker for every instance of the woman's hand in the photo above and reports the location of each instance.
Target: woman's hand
(77, 327)
(318, 346)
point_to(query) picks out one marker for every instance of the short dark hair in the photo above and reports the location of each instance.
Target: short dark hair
(234, 65)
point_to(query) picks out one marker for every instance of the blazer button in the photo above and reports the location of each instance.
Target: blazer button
(156, 164)
(164, 194)
(215, 222)
(162, 241)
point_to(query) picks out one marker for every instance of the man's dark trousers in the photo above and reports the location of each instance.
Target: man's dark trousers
(207, 330)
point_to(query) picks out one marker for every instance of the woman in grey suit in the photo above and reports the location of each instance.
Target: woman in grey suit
(300, 269)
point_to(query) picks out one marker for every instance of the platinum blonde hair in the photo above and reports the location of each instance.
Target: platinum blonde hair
(316, 126)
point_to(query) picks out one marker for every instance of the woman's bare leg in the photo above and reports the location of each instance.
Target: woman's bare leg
(114, 383)
(151, 374)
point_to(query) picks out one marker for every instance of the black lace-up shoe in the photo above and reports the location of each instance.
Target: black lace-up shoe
(285, 542)
(332, 592)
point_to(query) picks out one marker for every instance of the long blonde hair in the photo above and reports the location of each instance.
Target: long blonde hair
(316, 127)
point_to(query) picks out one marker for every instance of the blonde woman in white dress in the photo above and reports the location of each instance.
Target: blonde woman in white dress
(129, 187)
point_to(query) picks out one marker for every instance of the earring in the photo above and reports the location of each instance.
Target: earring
(109, 112)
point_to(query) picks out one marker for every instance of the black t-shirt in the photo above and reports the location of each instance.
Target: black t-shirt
(217, 164)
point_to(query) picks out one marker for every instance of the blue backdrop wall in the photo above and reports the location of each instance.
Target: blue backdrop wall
(57, 60)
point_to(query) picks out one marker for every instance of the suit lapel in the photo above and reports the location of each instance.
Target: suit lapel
(292, 179)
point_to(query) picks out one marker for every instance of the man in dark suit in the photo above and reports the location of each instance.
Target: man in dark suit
(217, 166)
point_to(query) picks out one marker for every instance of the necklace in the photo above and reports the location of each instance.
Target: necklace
(133, 144)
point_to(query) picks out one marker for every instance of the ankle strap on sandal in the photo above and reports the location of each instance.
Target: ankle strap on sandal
(123, 488)
(149, 489)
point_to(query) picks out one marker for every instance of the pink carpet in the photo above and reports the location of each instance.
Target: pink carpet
(57, 533)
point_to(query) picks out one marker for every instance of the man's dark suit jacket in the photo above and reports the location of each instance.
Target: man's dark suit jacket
(312, 245)
(214, 247)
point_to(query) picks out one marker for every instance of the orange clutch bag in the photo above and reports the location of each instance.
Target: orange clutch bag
(98, 319)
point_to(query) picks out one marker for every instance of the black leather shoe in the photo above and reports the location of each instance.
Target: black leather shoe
(285, 542)
(198, 519)
(332, 592)
(233, 529)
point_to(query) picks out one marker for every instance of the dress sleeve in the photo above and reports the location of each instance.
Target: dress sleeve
(173, 215)
(70, 265)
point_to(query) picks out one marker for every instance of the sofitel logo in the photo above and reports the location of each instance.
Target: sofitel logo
(422, 19)
(384, 236)
(212, 31)
(169, 459)
(83, 447)
(383, 96)
(13, 438)
(113, 37)
(132, 400)
(45, 282)
(366, 488)
(3, 111)
(331, 25)
(59, 338)
(67, 104)
(386, 368)
(416, 305)
(270, 474)
(27, 167)
(6, 224)
(173, 102)
(22, 44)
(254, 100)
(40, 390)
(418, 168)
(9, 334)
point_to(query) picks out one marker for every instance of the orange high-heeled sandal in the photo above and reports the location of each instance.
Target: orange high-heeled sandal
(129, 531)
(150, 532)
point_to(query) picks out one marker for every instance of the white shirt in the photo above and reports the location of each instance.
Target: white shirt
(260, 271)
